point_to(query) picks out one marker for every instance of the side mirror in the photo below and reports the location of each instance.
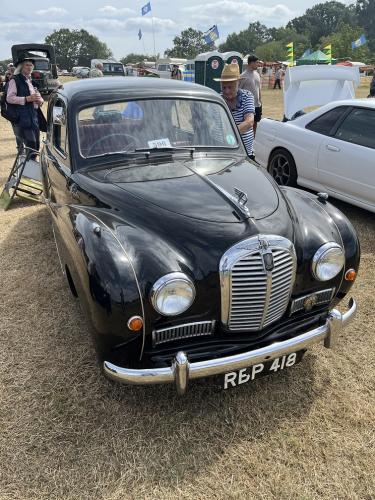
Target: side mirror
(58, 116)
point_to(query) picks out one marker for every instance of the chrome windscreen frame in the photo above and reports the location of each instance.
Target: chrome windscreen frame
(261, 243)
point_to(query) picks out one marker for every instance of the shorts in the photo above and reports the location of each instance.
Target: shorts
(258, 114)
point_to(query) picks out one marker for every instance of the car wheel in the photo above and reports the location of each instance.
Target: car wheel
(282, 167)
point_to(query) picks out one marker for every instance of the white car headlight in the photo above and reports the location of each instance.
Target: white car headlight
(172, 294)
(328, 261)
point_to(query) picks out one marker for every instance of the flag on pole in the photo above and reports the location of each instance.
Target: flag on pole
(327, 50)
(290, 53)
(211, 35)
(358, 43)
(140, 34)
(146, 9)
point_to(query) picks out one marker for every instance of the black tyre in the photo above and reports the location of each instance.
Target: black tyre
(282, 167)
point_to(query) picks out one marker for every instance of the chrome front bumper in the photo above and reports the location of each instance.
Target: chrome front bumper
(181, 371)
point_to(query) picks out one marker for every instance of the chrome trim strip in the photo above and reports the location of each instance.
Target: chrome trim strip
(326, 333)
(131, 265)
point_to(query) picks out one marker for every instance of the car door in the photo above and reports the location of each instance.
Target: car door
(347, 159)
(56, 157)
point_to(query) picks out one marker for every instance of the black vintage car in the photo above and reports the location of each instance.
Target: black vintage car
(188, 259)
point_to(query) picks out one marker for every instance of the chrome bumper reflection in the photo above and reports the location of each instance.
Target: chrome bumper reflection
(181, 371)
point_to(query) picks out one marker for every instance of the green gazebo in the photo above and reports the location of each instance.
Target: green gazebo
(317, 57)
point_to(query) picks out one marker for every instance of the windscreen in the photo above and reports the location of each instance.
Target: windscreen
(113, 68)
(41, 65)
(168, 123)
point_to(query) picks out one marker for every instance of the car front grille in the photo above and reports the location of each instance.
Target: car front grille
(182, 332)
(257, 277)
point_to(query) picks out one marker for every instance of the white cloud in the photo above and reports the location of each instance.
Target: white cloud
(111, 11)
(52, 11)
(226, 12)
(133, 23)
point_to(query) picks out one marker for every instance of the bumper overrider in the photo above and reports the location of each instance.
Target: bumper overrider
(181, 371)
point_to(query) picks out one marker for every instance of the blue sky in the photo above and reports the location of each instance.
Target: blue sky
(117, 23)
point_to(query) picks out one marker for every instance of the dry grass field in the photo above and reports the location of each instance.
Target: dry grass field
(68, 433)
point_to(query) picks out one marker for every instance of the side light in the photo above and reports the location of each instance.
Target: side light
(350, 275)
(135, 323)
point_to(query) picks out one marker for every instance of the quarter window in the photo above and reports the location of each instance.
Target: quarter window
(358, 128)
(325, 123)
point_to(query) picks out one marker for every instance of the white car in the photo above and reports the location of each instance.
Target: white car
(330, 149)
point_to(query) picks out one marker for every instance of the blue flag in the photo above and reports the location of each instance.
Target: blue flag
(146, 9)
(211, 35)
(139, 34)
(358, 43)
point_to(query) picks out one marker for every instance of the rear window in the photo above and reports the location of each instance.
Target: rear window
(325, 123)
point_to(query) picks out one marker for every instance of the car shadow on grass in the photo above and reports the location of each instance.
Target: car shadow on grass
(66, 424)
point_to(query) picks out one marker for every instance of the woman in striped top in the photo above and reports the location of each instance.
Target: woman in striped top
(240, 103)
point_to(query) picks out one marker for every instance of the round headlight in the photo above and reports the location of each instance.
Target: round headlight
(328, 261)
(172, 294)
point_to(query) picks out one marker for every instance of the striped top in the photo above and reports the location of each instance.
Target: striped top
(244, 105)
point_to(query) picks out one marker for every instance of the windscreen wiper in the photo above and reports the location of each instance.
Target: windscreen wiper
(171, 149)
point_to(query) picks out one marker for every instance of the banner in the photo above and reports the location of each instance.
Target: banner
(327, 50)
(358, 43)
(290, 54)
(211, 35)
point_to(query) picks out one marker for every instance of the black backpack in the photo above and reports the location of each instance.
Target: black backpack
(9, 111)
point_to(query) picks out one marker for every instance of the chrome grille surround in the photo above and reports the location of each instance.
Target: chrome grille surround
(257, 277)
(323, 297)
(185, 331)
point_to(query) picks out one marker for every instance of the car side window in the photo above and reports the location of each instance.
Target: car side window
(325, 123)
(59, 126)
(358, 128)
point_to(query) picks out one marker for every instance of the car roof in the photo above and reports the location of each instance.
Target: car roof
(368, 103)
(133, 88)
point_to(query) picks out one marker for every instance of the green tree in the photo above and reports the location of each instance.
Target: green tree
(188, 45)
(342, 44)
(247, 40)
(135, 58)
(3, 65)
(77, 47)
(271, 51)
(365, 10)
(322, 20)
(285, 35)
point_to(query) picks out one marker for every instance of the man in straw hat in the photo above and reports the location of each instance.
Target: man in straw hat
(240, 103)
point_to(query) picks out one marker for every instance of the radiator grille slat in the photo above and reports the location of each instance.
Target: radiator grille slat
(182, 332)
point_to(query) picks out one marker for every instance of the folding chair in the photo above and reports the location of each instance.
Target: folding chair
(25, 179)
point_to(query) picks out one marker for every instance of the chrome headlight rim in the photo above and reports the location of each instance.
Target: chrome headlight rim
(322, 252)
(166, 280)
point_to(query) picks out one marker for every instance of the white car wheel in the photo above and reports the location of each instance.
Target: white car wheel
(283, 168)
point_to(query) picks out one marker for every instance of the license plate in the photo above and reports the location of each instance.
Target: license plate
(239, 377)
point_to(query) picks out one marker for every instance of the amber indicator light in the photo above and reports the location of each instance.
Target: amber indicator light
(350, 275)
(135, 323)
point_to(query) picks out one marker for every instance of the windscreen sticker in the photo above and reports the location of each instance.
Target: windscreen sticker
(231, 140)
(160, 143)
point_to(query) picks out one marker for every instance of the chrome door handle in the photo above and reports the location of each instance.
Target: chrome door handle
(332, 148)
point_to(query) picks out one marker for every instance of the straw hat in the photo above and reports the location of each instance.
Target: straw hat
(231, 73)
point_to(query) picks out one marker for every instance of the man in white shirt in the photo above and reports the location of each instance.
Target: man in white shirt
(251, 81)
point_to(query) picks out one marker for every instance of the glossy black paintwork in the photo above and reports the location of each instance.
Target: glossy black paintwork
(121, 225)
